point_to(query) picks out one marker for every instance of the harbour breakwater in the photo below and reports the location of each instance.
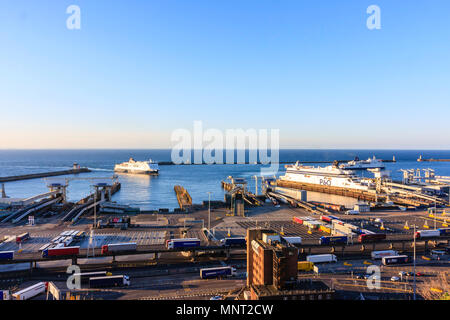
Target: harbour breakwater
(170, 163)
(43, 175)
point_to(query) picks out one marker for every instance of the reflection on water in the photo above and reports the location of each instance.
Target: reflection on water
(152, 192)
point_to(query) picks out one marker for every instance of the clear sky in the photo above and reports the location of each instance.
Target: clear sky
(137, 70)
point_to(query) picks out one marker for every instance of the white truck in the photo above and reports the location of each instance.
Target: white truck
(293, 240)
(384, 253)
(321, 258)
(30, 292)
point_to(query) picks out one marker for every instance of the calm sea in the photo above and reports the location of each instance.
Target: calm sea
(157, 192)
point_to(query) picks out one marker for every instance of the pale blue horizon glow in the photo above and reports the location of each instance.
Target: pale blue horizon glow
(137, 70)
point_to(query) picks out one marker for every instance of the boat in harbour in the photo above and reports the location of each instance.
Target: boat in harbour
(138, 167)
(332, 176)
(357, 164)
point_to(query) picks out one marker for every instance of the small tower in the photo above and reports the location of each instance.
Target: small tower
(4, 196)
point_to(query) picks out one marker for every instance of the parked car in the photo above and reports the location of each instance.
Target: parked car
(395, 279)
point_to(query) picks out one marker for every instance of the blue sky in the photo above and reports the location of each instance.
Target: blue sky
(137, 70)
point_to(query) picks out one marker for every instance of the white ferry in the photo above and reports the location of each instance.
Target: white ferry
(357, 164)
(332, 176)
(138, 167)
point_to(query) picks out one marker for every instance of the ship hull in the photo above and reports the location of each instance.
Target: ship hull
(134, 171)
(362, 167)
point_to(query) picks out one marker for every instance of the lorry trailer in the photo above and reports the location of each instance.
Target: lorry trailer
(6, 255)
(30, 292)
(293, 240)
(62, 251)
(230, 242)
(305, 266)
(111, 281)
(132, 246)
(364, 238)
(384, 253)
(22, 237)
(84, 277)
(332, 239)
(4, 295)
(394, 260)
(219, 272)
(321, 258)
(183, 243)
(427, 234)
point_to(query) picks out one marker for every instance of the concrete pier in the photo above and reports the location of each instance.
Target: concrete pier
(43, 175)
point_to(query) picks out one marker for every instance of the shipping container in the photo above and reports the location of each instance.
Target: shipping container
(364, 238)
(427, 234)
(116, 247)
(444, 231)
(321, 258)
(109, 281)
(342, 228)
(64, 251)
(337, 221)
(394, 260)
(297, 220)
(312, 224)
(326, 228)
(6, 255)
(30, 292)
(305, 266)
(384, 253)
(332, 240)
(219, 272)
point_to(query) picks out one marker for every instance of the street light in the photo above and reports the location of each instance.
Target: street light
(209, 210)
(414, 281)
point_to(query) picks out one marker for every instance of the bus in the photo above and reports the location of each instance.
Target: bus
(394, 260)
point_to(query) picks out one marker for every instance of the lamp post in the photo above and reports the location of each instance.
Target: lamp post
(414, 281)
(209, 210)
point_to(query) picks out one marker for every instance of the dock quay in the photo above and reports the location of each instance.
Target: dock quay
(360, 195)
(44, 175)
(238, 186)
(299, 203)
(183, 197)
(90, 202)
(433, 160)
